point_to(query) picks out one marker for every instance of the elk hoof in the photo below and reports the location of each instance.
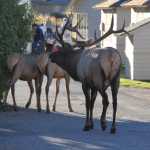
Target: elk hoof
(27, 105)
(15, 109)
(113, 130)
(39, 110)
(48, 111)
(86, 128)
(71, 110)
(103, 126)
(54, 109)
(92, 126)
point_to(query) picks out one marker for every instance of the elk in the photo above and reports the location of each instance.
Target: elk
(21, 69)
(54, 71)
(26, 68)
(95, 68)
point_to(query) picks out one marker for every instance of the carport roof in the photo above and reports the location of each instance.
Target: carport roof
(106, 4)
(136, 3)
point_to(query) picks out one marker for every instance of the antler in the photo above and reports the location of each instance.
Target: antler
(95, 35)
(59, 36)
(67, 26)
(109, 32)
(81, 43)
(74, 28)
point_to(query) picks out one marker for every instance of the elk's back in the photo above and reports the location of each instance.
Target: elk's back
(96, 65)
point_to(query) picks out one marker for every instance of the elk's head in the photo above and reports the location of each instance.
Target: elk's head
(67, 48)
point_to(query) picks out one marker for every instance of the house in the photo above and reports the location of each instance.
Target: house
(137, 45)
(91, 17)
(107, 9)
(81, 9)
(46, 7)
(135, 48)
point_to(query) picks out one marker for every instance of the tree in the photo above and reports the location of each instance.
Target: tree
(15, 32)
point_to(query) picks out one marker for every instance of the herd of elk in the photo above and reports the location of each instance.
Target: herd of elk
(32, 67)
(95, 68)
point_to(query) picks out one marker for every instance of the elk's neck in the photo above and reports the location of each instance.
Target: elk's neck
(70, 63)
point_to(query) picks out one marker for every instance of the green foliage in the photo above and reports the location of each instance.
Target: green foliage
(15, 29)
(134, 83)
(15, 32)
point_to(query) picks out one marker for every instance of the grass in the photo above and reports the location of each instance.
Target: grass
(134, 83)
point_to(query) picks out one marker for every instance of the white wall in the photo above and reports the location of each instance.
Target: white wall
(142, 53)
(139, 14)
(123, 14)
(106, 16)
(85, 6)
(135, 50)
(129, 57)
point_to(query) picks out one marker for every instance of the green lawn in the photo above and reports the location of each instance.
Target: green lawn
(134, 83)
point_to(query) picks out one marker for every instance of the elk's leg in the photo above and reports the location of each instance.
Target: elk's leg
(38, 84)
(114, 89)
(13, 96)
(105, 103)
(5, 96)
(57, 92)
(31, 93)
(67, 79)
(49, 81)
(86, 91)
(93, 97)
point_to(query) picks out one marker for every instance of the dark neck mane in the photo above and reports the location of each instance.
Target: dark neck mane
(71, 61)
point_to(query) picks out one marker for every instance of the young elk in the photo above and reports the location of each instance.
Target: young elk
(26, 68)
(96, 69)
(54, 71)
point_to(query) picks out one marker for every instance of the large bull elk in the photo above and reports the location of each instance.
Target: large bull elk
(96, 69)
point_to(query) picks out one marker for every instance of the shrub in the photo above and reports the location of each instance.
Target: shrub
(15, 32)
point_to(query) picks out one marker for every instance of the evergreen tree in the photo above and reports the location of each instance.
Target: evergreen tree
(15, 32)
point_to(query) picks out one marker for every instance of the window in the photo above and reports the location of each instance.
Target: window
(83, 26)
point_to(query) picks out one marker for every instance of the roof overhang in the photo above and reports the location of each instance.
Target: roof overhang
(109, 4)
(136, 3)
(105, 4)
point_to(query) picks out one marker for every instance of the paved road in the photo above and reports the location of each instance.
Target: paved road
(29, 130)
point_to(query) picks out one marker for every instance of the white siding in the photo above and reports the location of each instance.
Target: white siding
(141, 13)
(106, 16)
(137, 46)
(93, 15)
(129, 57)
(142, 53)
(122, 14)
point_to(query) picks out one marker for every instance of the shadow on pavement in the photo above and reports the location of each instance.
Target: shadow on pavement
(29, 130)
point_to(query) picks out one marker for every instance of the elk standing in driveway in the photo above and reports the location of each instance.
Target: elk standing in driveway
(96, 69)
(54, 71)
(26, 68)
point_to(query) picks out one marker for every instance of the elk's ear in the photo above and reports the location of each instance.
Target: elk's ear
(42, 61)
(12, 60)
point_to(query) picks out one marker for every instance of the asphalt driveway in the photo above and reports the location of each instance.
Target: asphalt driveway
(62, 130)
